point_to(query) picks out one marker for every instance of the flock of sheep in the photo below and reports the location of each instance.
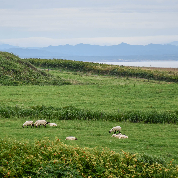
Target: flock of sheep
(119, 135)
(38, 123)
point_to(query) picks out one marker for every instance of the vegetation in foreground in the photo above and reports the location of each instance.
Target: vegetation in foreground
(55, 159)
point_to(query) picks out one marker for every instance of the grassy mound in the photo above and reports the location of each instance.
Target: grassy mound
(14, 71)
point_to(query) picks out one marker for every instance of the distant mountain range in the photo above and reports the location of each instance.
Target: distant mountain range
(87, 52)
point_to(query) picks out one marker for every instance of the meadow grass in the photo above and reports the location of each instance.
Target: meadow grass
(107, 95)
(96, 93)
(158, 140)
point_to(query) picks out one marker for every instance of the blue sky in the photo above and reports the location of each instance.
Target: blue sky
(38, 23)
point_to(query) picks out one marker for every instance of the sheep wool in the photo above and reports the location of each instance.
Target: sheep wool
(115, 129)
(52, 124)
(40, 122)
(71, 138)
(119, 136)
(28, 123)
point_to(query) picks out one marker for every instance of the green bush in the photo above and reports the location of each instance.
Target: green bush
(47, 158)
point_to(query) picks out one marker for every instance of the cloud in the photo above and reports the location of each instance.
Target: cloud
(66, 19)
(126, 4)
(108, 21)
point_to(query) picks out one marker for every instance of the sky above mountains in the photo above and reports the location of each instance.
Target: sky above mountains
(40, 23)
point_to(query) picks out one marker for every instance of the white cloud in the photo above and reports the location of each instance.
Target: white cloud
(75, 19)
(124, 4)
(108, 21)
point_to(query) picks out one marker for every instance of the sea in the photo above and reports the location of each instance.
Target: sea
(161, 64)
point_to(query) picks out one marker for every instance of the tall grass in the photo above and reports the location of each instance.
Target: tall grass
(72, 113)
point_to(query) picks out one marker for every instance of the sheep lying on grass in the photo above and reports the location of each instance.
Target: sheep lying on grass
(119, 136)
(71, 138)
(40, 122)
(28, 123)
(115, 129)
(52, 124)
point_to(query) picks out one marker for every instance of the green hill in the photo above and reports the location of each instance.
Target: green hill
(14, 71)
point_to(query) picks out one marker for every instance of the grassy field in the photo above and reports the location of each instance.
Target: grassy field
(97, 93)
(86, 105)
(103, 93)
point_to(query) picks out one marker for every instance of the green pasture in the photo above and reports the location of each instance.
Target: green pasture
(86, 105)
(96, 93)
(157, 140)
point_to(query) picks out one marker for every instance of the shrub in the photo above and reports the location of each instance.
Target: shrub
(47, 158)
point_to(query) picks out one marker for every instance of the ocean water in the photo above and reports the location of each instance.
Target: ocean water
(162, 64)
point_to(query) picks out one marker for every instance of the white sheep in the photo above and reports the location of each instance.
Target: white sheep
(115, 129)
(28, 123)
(71, 138)
(52, 124)
(119, 136)
(40, 122)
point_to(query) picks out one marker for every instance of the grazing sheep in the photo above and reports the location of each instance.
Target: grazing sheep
(71, 138)
(40, 122)
(28, 123)
(119, 136)
(52, 124)
(115, 129)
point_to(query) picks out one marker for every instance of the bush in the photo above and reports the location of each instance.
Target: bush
(47, 158)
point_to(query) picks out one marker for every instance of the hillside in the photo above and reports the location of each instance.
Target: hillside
(14, 71)
(169, 75)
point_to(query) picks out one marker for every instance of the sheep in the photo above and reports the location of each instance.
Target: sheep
(40, 122)
(28, 123)
(115, 129)
(71, 138)
(119, 136)
(52, 124)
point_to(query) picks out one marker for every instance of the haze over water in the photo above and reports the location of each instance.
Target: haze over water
(162, 64)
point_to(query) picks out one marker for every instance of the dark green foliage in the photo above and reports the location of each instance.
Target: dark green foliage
(104, 69)
(71, 113)
(52, 169)
(46, 158)
(14, 71)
